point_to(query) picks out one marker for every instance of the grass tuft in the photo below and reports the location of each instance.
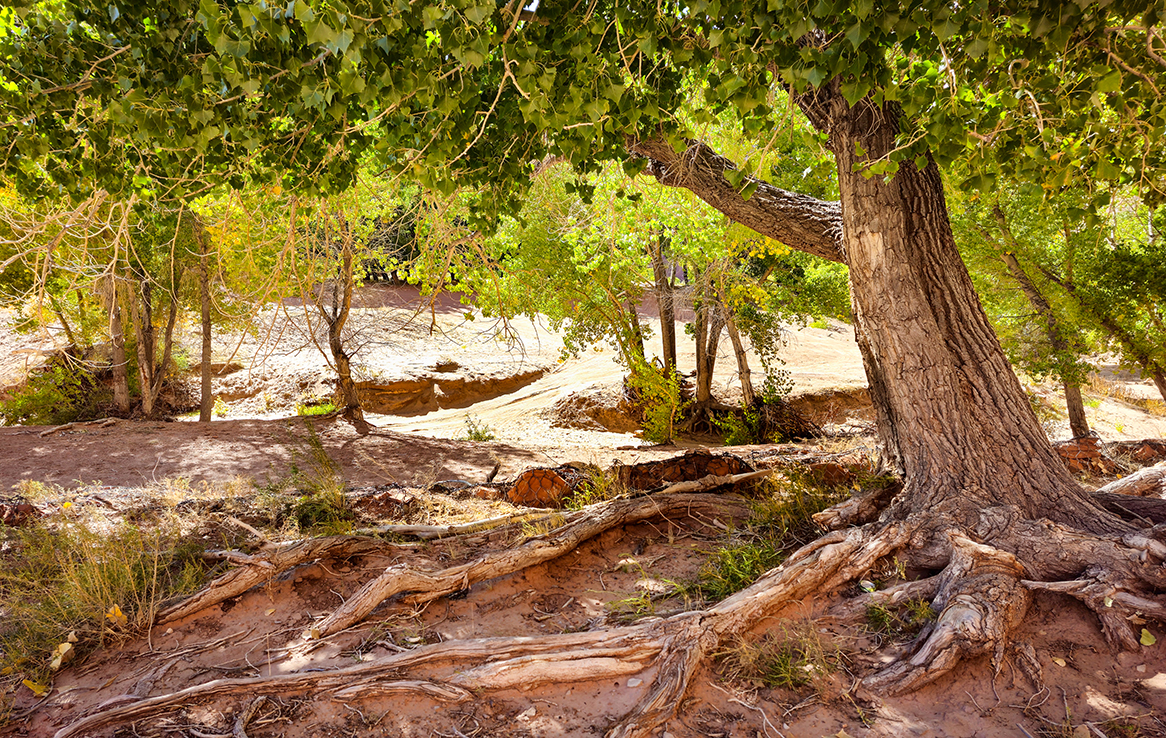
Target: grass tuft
(67, 580)
(780, 523)
(793, 658)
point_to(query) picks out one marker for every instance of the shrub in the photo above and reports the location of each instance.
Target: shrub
(62, 392)
(477, 430)
(659, 394)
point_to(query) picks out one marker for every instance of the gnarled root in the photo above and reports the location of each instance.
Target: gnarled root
(426, 586)
(982, 601)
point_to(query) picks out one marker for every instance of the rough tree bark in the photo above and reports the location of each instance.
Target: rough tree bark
(118, 360)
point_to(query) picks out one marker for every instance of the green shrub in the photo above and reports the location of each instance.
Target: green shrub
(62, 392)
(310, 410)
(660, 399)
(477, 430)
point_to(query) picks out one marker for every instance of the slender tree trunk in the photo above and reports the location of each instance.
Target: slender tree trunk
(119, 360)
(664, 301)
(1078, 423)
(143, 314)
(637, 332)
(336, 317)
(206, 399)
(64, 322)
(1150, 368)
(747, 393)
(952, 415)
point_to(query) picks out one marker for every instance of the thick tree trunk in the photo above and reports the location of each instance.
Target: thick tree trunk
(951, 414)
(1078, 423)
(206, 399)
(664, 302)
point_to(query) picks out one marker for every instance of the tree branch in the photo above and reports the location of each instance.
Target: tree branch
(799, 221)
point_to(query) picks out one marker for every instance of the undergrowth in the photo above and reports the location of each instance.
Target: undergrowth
(780, 522)
(793, 657)
(69, 586)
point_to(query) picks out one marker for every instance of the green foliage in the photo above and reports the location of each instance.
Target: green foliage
(780, 522)
(309, 410)
(62, 392)
(903, 621)
(478, 430)
(740, 429)
(659, 397)
(65, 575)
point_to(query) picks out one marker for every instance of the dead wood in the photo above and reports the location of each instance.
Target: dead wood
(1148, 482)
(433, 532)
(268, 564)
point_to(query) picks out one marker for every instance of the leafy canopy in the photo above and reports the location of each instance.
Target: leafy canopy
(170, 98)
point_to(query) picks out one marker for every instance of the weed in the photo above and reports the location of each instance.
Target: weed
(901, 622)
(325, 512)
(819, 323)
(600, 486)
(65, 580)
(736, 566)
(310, 410)
(632, 608)
(791, 659)
(477, 430)
(780, 522)
(1093, 402)
(221, 408)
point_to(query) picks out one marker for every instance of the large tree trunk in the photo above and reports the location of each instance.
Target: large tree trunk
(951, 413)
(1078, 423)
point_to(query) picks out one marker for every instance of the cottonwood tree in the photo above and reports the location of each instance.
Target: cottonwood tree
(462, 94)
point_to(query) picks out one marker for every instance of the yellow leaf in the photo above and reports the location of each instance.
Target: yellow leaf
(62, 655)
(72, 638)
(117, 616)
(1058, 661)
(40, 690)
(1147, 638)
(270, 612)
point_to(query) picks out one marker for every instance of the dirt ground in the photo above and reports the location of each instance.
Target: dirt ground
(607, 581)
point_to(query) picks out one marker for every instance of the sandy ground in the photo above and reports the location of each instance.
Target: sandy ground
(1086, 690)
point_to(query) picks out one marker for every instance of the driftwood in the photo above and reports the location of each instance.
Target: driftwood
(1148, 482)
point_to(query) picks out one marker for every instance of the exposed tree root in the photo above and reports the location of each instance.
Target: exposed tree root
(982, 602)
(581, 526)
(263, 567)
(988, 567)
(1147, 482)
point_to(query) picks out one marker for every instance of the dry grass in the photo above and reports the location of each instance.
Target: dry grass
(1101, 387)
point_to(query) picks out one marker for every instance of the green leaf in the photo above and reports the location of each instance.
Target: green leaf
(1110, 82)
(1147, 638)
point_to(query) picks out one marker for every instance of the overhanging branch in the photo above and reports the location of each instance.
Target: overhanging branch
(799, 221)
